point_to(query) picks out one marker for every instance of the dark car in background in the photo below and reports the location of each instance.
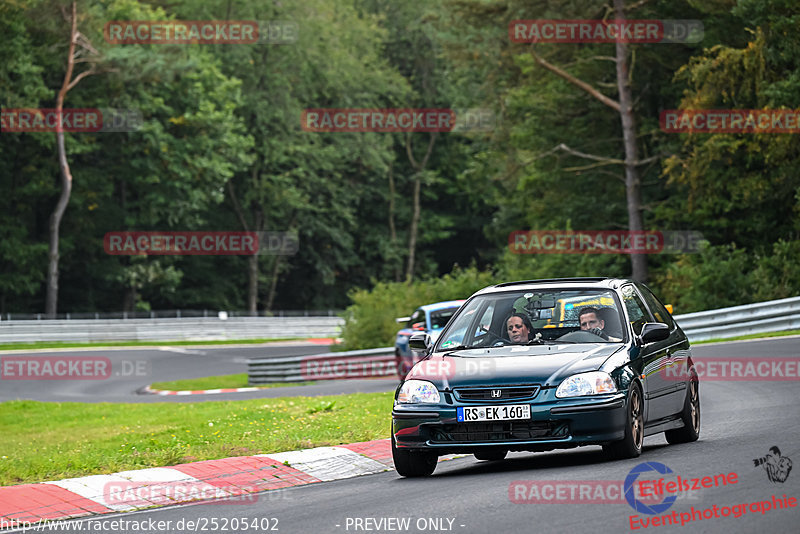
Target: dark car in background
(477, 392)
(429, 319)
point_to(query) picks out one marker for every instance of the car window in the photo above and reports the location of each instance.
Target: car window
(417, 317)
(439, 318)
(485, 323)
(636, 310)
(656, 308)
(551, 314)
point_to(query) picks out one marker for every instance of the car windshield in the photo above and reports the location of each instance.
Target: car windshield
(439, 318)
(536, 316)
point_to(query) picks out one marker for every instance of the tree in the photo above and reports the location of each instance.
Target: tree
(87, 54)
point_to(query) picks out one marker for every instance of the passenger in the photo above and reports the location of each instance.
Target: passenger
(519, 328)
(591, 322)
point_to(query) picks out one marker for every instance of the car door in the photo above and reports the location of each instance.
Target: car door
(676, 345)
(658, 391)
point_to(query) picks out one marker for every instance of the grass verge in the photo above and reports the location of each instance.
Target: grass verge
(749, 336)
(218, 382)
(48, 441)
(60, 345)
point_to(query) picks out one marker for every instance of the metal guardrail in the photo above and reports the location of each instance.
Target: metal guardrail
(184, 329)
(367, 363)
(758, 318)
(166, 314)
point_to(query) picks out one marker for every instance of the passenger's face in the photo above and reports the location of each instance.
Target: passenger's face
(517, 331)
(590, 320)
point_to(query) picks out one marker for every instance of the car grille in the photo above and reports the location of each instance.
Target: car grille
(499, 431)
(490, 394)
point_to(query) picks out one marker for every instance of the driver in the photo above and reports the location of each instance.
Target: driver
(519, 328)
(591, 322)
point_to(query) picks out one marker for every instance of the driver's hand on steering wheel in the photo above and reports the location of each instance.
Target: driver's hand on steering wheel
(598, 332)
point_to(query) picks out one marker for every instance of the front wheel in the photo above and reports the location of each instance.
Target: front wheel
(690, 417)
(630, 446)
(413, 463)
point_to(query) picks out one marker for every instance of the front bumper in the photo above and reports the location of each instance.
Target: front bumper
(554, 423)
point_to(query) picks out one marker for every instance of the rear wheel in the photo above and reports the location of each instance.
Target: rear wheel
(690, 417)
(490, 456)
(413, 463)
(631, 445)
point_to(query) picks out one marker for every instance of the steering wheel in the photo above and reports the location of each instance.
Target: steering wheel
(580, 336)
(500, 340)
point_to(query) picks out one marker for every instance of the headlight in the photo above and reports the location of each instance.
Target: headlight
(418, 391)
(594, 383)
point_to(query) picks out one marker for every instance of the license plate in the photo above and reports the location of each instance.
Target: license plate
(510, 412)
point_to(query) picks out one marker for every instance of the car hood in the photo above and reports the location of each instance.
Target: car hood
(537, 364)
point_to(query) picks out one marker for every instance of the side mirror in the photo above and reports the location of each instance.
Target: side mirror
(402, 319)
(419, 341)
(653, 332)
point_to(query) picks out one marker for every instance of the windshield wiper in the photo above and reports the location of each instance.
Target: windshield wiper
(460, 347)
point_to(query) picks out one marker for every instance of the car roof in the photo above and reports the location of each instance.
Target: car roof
(557, 283)
(442, 305)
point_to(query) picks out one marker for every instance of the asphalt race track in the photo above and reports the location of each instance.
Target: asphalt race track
(741, 420)
(135, 368)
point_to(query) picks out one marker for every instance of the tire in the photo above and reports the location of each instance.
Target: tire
(490, 455)
(413, 463)
(631, 445)
(690, 417)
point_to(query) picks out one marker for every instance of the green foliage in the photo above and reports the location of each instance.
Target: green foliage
(370, 320)
(721, 276)
(222, 125)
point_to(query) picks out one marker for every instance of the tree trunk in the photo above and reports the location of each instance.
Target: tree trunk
(51, 302)
(632, 179)
(392, 230)
(252, 261)
(419, 168)
(412, 232)
(273, 285)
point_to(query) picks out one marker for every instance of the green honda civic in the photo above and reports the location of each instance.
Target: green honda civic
(547, 364)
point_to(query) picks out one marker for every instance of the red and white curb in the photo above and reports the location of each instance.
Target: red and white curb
(152, 391)
(197, 481)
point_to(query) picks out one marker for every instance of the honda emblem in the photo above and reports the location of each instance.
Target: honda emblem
(497, 393)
